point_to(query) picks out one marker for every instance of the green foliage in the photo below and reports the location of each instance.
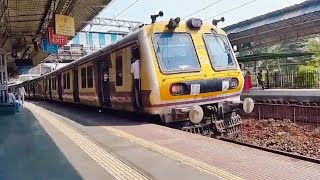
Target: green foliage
(313, 46)
(307, 77)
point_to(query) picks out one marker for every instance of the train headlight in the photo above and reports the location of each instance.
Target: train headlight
(178, 89)
(234, 82)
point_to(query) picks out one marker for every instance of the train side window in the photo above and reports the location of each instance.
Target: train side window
(54, 83)
(68, 80)
(119, 73)
(64, 81)
(51, 79)
(83, 78)
(90, 77)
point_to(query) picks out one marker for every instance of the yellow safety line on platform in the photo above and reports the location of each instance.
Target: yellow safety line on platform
(114, 166)
(175, 155)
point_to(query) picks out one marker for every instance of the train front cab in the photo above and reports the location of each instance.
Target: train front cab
(196, 72)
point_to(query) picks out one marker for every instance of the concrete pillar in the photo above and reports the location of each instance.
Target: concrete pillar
(3, 79)
(4, 51)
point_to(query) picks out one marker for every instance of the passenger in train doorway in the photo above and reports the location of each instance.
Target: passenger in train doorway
(135, 70)
(21, 95)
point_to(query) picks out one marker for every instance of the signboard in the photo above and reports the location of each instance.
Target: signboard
(56, 39)
(64, 25)
(49, 48)
(76, 49)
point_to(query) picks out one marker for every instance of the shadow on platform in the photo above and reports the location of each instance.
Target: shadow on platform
(28, 152)
(7, 109)
(90, 116)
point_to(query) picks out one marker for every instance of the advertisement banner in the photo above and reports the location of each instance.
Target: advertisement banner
(49, 48)
(64, 25)
(56, 39)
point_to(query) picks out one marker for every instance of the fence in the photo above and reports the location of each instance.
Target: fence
(291, 80)
(304, 114)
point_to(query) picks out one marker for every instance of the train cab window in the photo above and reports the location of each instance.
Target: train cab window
(64, 81)
(83, 78)
(68, 80)
(220, 52)
(176, 52)
(119, 73)
(90, 77)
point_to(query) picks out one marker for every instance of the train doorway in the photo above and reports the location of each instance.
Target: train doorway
(33, 89)
(50, 87)
(136, 77)
(45, 87)
(76, 86)
(59, 88)
(104, 79)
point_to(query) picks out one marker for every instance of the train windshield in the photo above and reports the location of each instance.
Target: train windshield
(219, 51)
(176, 52)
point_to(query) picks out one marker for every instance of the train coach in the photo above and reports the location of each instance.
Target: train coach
(188, 73)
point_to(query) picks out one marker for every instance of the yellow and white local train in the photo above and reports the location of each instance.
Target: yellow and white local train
(188, 73)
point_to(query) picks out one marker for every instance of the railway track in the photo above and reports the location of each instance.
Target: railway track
(284, 153)
(305, 114)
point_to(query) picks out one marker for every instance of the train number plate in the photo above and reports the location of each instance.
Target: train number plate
(225, 85)
(195, 89)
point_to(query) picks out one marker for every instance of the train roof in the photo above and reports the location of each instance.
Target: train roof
(97, 53)
(131, 36)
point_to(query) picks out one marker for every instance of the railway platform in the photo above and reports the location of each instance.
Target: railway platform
(290, 95)
(7, 109)
(57, 141)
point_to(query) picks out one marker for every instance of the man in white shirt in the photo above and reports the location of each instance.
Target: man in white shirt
(135, 70)
(12, 100)
(11, 97)
(21, 94)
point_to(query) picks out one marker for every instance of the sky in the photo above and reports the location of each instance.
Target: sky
(142, 10)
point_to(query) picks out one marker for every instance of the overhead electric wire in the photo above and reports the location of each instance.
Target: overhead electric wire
(231, 9)
(203, 8)
(125, 9)
(121, 12)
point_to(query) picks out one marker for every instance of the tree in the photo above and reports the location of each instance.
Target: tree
(313, 46)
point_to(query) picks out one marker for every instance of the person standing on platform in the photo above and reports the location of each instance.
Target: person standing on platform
(21, 95)
(261, 79)
(247, 82)
(135, 70)
(12, 100)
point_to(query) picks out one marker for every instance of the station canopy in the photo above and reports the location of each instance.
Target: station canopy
(270, 56)
(295, 22)
(25, 22)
